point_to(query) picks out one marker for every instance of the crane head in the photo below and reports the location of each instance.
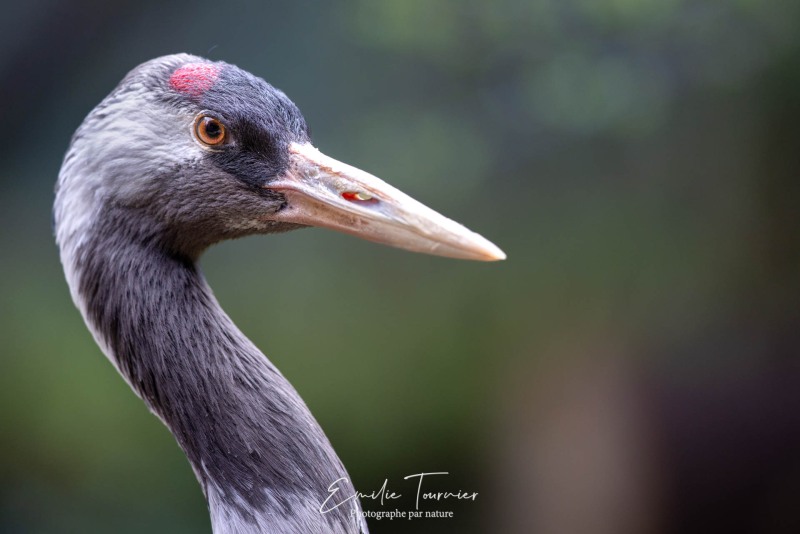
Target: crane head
(208, 152)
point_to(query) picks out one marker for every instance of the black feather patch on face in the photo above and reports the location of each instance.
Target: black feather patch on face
(261, 122)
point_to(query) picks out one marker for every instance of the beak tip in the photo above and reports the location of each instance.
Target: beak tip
(495, 254)
(500, 257)
(487, 251)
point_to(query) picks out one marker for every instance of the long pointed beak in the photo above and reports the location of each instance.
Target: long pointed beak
(321, 191)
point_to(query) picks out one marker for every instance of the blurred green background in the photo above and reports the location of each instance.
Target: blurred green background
(633, 365)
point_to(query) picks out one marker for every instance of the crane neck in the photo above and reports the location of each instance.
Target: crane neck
(262, 459)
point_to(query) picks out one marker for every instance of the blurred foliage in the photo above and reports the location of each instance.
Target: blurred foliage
(631, 157)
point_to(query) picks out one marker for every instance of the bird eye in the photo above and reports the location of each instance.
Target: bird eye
(209, 130)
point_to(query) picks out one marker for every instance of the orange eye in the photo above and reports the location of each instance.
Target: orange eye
(209, 130)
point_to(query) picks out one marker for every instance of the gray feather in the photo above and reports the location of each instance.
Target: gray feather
(136, 203)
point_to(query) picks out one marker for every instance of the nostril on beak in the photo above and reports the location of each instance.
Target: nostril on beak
(356, 196)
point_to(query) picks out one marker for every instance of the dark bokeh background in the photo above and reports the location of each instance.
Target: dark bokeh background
(633, 365)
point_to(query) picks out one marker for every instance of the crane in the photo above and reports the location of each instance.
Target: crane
(184, 153)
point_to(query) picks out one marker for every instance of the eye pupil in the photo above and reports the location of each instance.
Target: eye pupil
(212, 128)
(209, 130)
